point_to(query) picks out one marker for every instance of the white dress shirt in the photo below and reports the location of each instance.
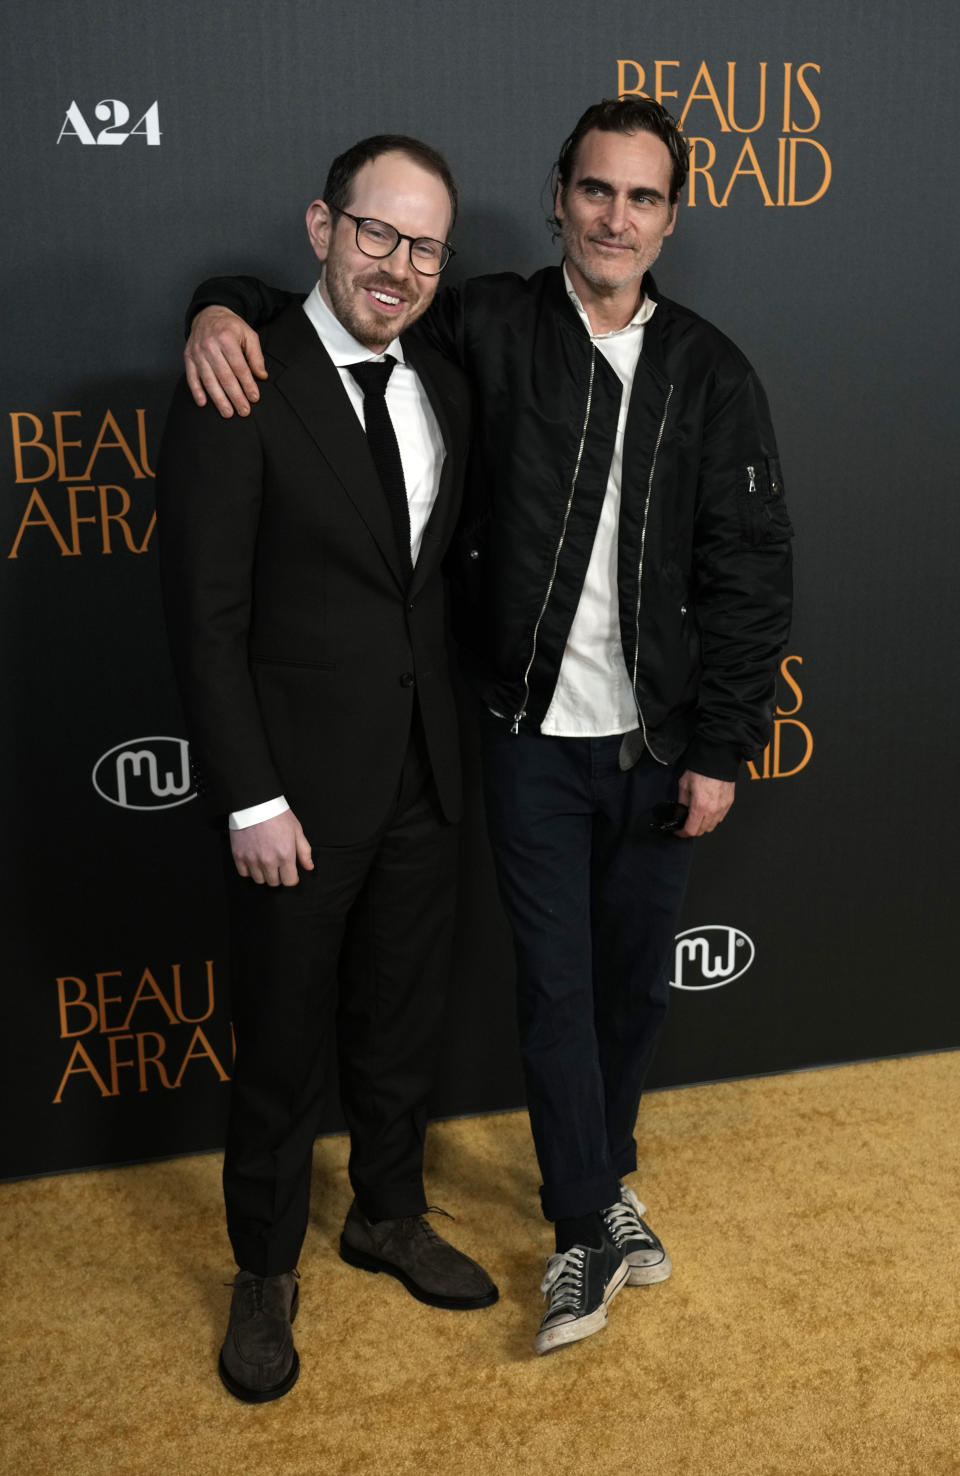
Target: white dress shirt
(593, 696)
(421, 446)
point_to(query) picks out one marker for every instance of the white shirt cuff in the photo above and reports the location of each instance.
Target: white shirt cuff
(240, 819)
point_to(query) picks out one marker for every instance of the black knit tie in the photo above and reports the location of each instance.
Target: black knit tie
(372, 376)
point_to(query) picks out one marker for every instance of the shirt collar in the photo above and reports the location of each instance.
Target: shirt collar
(643, 314)
(342, 347)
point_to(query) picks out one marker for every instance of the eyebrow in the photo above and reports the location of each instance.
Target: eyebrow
(589, 181)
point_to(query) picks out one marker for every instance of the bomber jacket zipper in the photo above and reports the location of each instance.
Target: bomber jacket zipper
(643, 544)
(518, 716)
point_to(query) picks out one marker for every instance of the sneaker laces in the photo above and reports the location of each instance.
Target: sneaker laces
(627, 1196)
(623, 1220)
(563, 1278)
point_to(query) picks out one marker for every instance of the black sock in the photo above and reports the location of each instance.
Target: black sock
(584, 1230)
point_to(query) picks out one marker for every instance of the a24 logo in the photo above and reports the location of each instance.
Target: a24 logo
(116, 115)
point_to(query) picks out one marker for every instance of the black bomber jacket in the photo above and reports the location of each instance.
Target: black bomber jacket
(704, 569)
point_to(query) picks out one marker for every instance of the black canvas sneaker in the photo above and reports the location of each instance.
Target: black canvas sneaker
(580, 1283)
(633, 1238)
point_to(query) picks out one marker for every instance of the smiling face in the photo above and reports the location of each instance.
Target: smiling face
(376, 299)
(614, 213)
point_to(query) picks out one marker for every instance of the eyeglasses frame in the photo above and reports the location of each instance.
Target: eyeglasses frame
(359, 220)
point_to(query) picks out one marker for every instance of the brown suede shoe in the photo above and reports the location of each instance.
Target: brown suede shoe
(412, 1251)
(258, 1361)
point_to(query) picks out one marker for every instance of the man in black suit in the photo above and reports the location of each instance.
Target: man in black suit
(306, 617)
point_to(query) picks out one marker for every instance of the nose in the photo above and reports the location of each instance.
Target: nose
(395, 265)
(615, 215)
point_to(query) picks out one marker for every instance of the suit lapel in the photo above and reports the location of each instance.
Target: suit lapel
(311, 385)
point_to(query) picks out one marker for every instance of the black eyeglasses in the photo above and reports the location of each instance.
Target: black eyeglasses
(376, 238)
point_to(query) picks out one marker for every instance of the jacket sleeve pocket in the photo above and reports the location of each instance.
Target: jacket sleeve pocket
(763, 511)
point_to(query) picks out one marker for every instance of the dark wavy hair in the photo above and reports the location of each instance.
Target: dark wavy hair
(624, 115)
(345, 167)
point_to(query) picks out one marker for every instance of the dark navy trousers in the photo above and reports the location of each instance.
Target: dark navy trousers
(593, 895)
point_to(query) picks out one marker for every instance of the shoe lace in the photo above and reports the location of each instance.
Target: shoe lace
(252, 1290)
(627, 1196)
(251, 1294)
(419, 1225)
(563, 1278)
(623, 1220)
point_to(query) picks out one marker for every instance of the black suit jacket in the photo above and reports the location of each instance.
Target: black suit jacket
(296, 642)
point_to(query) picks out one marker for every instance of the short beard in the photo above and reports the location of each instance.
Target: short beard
(605, 284)
(339, 288)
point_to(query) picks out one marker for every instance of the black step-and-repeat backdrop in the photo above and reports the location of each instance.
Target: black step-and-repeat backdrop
(149, 145)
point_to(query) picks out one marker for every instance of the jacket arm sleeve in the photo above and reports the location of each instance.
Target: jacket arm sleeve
(442, 325)
(252, 300)
(743, 583)
(208, 506)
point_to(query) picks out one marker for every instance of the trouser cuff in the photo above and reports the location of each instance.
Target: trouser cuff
(391, 1204)
(264, 1258)
(589, 1196)
(625, 1162)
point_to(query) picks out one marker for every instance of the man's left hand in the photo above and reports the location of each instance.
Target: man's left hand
(708, 801)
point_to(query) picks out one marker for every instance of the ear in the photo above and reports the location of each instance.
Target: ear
(673, 218)
(319, 226)
(558, 201)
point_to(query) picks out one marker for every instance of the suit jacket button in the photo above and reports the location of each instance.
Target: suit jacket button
(407, 680)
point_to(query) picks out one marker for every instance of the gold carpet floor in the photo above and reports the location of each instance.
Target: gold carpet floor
(811, 1326)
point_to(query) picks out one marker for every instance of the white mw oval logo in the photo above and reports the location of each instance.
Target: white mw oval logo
(707, 957)
(145, 774)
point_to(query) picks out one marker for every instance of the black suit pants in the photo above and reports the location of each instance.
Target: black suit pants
(593, 896)
(355, 956)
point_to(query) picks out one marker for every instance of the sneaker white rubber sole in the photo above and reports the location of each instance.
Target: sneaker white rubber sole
(650, 1275)
(582, 1327)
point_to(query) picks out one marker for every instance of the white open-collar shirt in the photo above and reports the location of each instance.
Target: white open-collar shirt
(593, 696)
